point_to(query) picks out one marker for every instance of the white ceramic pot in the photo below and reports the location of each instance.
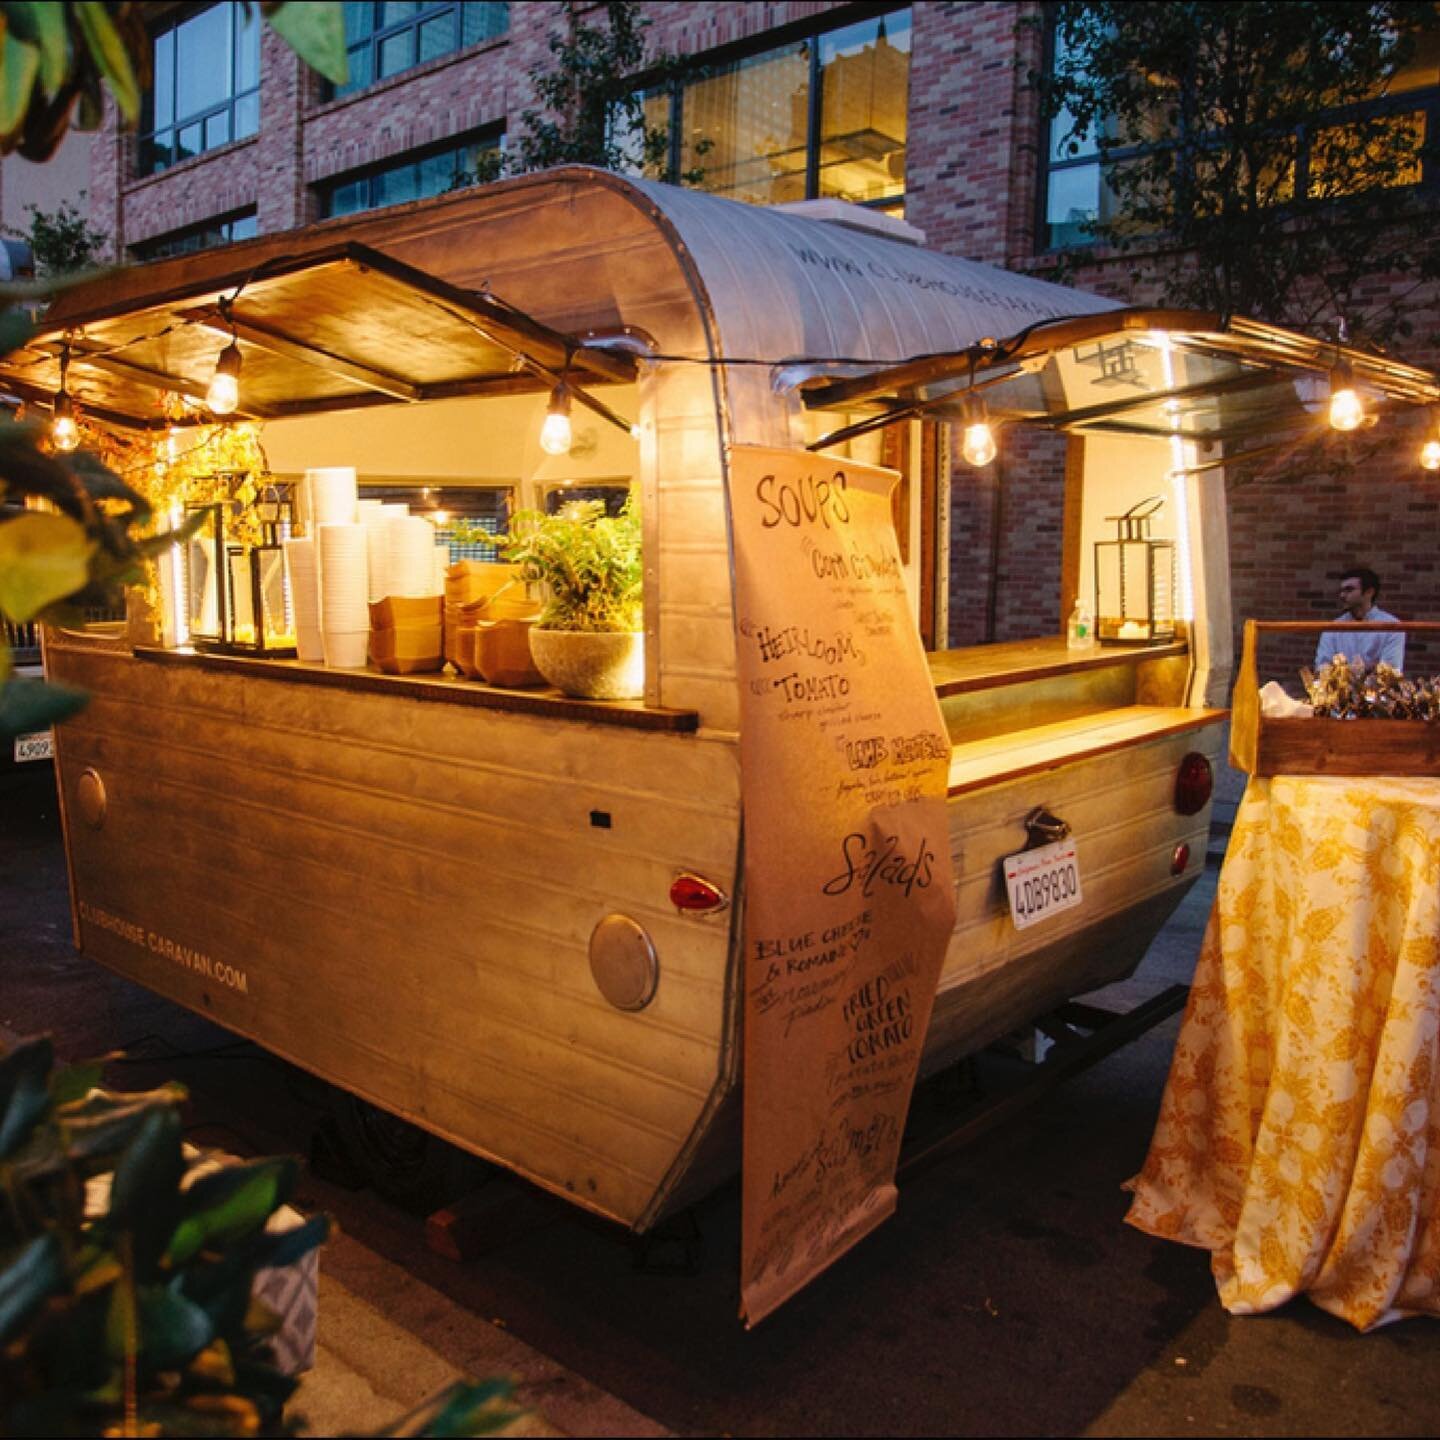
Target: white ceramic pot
(591, 664)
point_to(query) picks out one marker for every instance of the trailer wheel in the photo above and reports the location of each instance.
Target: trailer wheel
(406, 1165)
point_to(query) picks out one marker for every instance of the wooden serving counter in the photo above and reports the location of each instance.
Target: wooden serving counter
(1031, 705)
(442, 689)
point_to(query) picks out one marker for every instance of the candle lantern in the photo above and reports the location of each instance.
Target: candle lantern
(237, 602)
(207, 578)
(1135, 581)
(261, 621)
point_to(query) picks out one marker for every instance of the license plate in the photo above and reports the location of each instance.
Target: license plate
(37, 745)
(1042, 882)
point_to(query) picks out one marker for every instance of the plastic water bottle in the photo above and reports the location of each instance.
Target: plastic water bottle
(1080, 630)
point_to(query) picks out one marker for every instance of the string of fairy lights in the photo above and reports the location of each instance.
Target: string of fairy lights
(1345, 410)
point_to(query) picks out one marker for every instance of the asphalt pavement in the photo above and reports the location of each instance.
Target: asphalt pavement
(1006, 1297)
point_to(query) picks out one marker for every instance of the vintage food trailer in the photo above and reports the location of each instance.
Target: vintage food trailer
(397, 882)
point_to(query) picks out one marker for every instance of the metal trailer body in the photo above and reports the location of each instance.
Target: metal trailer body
(393, 883)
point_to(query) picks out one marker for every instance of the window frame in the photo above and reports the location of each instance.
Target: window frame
(223, 222)
(812, 29)
(487, 138)
(146, 160)
(381, 34)
(1422, 100)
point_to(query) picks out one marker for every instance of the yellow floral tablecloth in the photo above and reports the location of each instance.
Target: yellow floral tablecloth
(1299, 1135)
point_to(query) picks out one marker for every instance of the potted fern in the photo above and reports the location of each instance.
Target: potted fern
(588, 641)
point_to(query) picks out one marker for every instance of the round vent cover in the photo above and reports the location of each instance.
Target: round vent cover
(624, 963)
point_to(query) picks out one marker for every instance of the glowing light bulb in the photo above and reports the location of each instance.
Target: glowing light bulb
(224, 392)
(64, 432)
(978, 446)
(1346, 411)
(1430, 454)
(555, 432)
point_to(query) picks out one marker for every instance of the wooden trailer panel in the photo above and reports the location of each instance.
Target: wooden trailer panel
(399, 895)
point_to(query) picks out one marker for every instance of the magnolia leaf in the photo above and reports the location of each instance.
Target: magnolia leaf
(172, 1328)
(26, 1278)
(43, 558)
(43, 26)
(145, 1193)
(109, 53)
(229, 1205)
(75, 1082)
(19, 65)
(27, 704)
(315, 31)
(24, 1091)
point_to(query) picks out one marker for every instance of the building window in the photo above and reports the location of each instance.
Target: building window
(386, 38)
(206, 236)
(821, 116)
(415, 176)
(207, 86)
(1077, 196)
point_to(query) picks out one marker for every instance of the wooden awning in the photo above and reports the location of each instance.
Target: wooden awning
(330, 330)
(1147, 372)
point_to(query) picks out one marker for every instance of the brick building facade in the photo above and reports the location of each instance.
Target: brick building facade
(973, 156)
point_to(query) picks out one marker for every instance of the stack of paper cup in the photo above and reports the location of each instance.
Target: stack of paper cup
(305, 599)
(344, 595)
(334, 496)
(410, 558)
(442, 564)
(374, 519)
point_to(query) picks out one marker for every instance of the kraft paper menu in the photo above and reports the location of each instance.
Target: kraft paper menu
(849, 894)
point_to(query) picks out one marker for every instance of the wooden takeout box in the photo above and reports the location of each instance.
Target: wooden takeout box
(1263, 744)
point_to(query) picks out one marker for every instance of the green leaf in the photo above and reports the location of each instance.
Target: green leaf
(30, 1275)
(231, 1203)
(43, 558)
(27, 704)
(43, 26)
(315, 31)
(19, 64)
(24, 1091)
(75, 1082)
(145, 1193)
(172, 1328)
(110, 54)
(285, 1247)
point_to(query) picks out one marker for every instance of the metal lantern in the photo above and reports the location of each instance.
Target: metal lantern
(260, 617)
(1135, 581)
(207, 579)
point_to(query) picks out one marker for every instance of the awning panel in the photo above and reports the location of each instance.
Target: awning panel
(334, 329)
(1134, 372)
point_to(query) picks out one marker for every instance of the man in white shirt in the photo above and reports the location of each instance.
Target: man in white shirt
(1358, 591)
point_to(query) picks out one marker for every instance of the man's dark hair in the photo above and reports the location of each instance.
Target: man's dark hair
(1368, 579)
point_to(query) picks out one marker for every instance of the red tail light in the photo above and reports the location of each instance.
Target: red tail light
(1193, 784)
(696, 894)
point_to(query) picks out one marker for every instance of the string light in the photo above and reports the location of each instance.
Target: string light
(64, 432)
(1430, 450)
(978, 444)
(1346, 410)
(224, 393)
(555, 435)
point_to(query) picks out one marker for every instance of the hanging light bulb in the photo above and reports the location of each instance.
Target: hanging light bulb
(64, 432)
(555, 432)
(1430, 454)
(978, 444)
(224, 392)
(1346, 410)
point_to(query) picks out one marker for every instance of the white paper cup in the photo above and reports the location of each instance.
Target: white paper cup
(347, 649)
(334, 495)
(310, 644)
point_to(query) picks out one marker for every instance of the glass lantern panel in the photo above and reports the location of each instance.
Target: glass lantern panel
(273, 609)
(242, 604)
(203, 600)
